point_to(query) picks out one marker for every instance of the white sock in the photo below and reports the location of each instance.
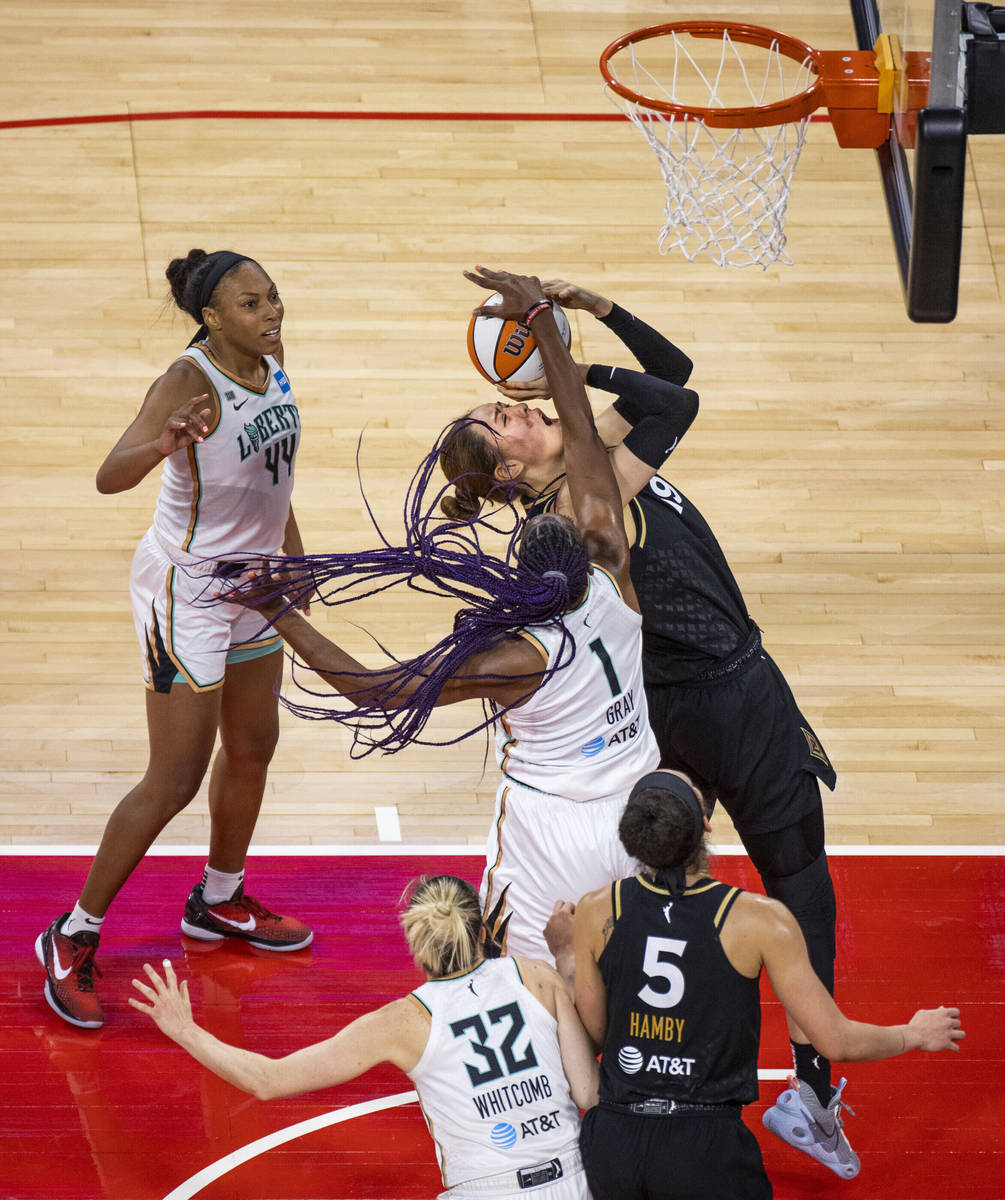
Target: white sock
(81, 921)
(218, 886)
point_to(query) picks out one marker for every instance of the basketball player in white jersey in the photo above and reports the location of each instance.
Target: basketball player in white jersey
(224, 423)
(497, 1054)
(574, 730)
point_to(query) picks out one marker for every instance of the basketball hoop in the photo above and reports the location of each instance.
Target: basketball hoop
(725, 107)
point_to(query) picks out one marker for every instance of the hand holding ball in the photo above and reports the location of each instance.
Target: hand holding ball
(506, 350)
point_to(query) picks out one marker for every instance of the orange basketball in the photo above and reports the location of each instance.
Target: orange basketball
(506, 350)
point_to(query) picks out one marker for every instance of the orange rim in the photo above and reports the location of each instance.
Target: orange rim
(780, 112)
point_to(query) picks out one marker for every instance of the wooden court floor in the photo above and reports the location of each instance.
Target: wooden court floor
(850, 462)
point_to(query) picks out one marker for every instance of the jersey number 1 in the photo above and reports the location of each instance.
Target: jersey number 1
(600, 650)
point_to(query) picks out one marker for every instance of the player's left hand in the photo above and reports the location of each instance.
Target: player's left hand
(558, 931)
(168, 1004)
(528, 389)
(260, 588)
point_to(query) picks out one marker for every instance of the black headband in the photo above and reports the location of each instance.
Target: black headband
(222, 261)
(665, 781)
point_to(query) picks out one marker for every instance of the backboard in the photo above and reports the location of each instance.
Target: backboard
(922, 165)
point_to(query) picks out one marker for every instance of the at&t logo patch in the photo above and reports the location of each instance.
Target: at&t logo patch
(503, 1135)
(630, 1060)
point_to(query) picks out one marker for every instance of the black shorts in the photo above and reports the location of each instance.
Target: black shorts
(689, 1156)
(743, 740)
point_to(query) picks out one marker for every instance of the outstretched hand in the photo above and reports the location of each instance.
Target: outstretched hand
(571, 295)
(518, 292)
(187, 424)
(938, 1028)
(167, 1004)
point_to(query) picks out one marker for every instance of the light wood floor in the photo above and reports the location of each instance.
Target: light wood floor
(851, 462)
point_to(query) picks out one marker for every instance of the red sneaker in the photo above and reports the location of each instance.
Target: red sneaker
(243, 918)
(69, 965)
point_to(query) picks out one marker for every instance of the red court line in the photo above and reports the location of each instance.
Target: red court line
(212, 114)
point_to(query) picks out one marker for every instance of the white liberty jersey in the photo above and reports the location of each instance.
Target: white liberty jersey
(230, 493)
(585, 733)
(490, 1080)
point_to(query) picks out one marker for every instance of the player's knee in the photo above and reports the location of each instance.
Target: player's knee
(809, 896)
(251, 748)
(173, 790)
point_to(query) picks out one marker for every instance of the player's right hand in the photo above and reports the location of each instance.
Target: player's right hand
(938, 1028)
(571, 295)
(185, 425)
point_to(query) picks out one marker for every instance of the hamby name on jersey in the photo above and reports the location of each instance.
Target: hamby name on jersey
(657, 1028)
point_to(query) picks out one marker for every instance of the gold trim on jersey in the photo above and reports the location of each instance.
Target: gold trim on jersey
(489, 881)
(721, 911)
(640, 523)
(193, 467)
(422, 1004)
(440, 1152)
(616, 899)
(603, 571)
(694, 890)
(169, 641)
(244, 383)
(536, 642)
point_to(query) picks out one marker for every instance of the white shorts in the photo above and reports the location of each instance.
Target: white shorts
(184, 641)
(506, 1186)
(545, 848)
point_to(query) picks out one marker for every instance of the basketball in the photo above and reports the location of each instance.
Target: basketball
(506, 350)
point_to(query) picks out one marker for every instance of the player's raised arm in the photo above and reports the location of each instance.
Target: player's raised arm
(593, 488)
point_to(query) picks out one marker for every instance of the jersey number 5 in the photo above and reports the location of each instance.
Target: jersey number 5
(655, 966)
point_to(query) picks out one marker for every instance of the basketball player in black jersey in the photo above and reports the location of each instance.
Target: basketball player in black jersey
(666, 968)
(720, 707)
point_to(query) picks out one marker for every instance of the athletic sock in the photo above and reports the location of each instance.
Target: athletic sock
(218, 886)
(81, 921)
(813, 1069)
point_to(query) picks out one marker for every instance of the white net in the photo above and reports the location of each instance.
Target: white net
(727, 189)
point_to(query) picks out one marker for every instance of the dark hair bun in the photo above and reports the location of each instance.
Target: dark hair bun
(459, 507)
(180, 272)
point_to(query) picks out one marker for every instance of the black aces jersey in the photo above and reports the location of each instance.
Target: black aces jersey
(682, 1023)
(693, 612)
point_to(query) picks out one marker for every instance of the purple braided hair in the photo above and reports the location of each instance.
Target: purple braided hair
(530, 585)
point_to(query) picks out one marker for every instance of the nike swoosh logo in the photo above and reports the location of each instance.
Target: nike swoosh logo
(58, 969)
(249, 924)
(244, 402)
(672, 447)
(586, 622)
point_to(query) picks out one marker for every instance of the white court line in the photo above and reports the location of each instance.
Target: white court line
(388, 826)
(235, 1158)
(403, 850)
(195, 1183)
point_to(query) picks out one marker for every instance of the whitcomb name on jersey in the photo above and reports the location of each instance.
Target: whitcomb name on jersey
(508, 1096)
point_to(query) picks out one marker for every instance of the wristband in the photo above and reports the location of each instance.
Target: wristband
(534, 311)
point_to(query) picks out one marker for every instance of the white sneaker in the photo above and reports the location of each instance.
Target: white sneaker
(799, 1118)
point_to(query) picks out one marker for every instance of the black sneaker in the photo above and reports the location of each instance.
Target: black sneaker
(243, 918)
